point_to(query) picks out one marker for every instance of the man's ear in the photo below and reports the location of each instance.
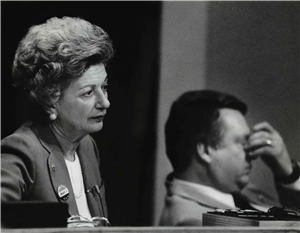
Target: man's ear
(203, 153)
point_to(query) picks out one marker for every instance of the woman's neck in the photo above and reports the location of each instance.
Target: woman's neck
(67, 145)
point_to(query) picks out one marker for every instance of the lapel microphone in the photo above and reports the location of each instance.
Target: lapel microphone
(95, 188)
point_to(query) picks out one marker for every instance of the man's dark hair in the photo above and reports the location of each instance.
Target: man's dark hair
(194, 118)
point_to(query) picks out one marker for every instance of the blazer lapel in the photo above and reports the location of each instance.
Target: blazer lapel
(89, 178)
(57, 168)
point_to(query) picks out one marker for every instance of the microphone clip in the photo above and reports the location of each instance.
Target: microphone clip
(95, 188)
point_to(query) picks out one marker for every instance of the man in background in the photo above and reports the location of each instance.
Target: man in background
(210, 147)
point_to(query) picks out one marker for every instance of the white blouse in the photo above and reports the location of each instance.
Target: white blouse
(75, 174)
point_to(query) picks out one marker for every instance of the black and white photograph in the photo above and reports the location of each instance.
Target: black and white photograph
(150, 116)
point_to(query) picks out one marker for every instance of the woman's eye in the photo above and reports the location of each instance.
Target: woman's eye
(105, 87)
(88, 93)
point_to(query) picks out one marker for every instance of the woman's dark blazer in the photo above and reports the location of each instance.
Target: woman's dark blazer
(33, 167)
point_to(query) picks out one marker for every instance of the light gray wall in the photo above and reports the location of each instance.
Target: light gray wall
(253, 53)
(182, 68)
(249, 49)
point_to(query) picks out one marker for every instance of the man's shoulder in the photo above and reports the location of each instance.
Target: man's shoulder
(182, 207)
(181, 211)
(182, 204)
(195, 194)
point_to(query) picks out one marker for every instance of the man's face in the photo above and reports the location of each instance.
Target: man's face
(230, 166)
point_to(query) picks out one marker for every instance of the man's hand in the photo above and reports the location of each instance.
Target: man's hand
(266, 142)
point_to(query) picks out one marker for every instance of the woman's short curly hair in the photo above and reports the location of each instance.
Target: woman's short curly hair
(55, 53)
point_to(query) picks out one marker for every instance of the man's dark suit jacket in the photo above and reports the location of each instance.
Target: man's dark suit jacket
(33, 167)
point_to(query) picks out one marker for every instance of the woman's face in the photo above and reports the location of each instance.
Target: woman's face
(83, 105)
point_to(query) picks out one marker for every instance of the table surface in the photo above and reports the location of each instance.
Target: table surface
(159, 230)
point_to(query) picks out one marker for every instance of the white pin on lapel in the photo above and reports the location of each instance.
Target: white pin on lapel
(63, 192)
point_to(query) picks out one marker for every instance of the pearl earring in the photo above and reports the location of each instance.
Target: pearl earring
(52, 116)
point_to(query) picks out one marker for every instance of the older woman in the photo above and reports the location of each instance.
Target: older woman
(61, 67)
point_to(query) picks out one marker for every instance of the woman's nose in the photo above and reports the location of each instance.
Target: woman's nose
(102, 101)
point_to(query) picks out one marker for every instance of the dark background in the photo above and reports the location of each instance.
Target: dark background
(127, 140)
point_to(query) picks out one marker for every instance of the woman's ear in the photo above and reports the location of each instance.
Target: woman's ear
(203, 153)
(51, 109)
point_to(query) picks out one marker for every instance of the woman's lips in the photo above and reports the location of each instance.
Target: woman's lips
(98, 118)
